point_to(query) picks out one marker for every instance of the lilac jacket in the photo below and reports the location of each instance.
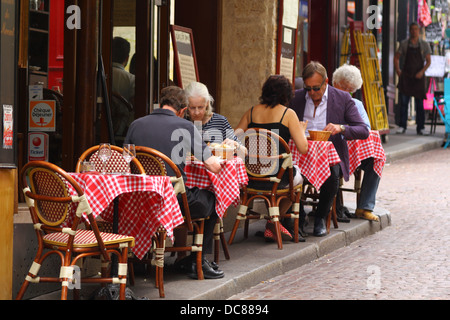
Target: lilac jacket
(341, 109)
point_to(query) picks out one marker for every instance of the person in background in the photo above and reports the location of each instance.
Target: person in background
(272, 113)
(123, 83)
(156, 131)
(417, 58)
(327, 108)
(348, 78)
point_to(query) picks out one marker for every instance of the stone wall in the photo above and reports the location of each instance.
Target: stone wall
(249, 46)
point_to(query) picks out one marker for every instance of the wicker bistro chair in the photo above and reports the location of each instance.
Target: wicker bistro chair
(115, 164)
(46, 189)
(265, 163)
(154, 163)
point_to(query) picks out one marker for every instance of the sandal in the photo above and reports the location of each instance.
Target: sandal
(285, 235)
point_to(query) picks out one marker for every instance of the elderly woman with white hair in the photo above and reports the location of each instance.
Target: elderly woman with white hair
(348, 78)
(215, 128)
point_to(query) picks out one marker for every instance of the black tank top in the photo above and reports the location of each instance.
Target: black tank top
(282, 130)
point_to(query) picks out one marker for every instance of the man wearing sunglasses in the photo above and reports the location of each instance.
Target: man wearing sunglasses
(329, 109)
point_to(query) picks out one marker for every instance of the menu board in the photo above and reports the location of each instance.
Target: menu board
(7, 83)
(287, 36)
(184, 55)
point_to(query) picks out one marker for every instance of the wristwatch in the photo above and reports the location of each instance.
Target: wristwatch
(342, 128)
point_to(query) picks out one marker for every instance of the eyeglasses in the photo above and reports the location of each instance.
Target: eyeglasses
(314, 88)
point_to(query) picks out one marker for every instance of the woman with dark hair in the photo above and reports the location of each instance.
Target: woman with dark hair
(272, 114)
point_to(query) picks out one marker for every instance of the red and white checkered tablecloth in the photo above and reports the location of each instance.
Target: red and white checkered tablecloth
(145, 203)
(225, 185)
(362, 149)
(315, 165)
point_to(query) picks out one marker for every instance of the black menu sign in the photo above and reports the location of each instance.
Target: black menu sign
(184, 51)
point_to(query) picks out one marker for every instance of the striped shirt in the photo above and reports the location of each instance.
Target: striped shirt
(216, 130)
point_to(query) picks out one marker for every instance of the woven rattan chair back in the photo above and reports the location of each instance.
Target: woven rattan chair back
(268, 158)
(115, 164)
(152, 163)
(263, 157)
(51, 185)
(47, 190)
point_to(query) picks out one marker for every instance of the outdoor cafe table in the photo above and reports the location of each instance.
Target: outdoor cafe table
(360, 150)
(145, 203)
(225, 185)
(315, 164)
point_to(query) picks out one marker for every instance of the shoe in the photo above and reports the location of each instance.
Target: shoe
(341, 216)
(269, 236)
(400, 130)
(285, 235)
(320, 229)
(208, 271)
(421, 133)
(366, 214)
(289, 225)
(214, 265)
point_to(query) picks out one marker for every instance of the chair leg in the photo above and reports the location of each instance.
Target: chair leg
(219, 238)
(123, 259)
(131, 272)
(217, 241)
(201, 228)
(296, 213)
(233, 231)
(332, 216)
(159, 261)
(224, 243)
(278, 232)
(241, 215)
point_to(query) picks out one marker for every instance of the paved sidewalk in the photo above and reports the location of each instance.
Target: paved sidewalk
(254, 261)
(407, 261)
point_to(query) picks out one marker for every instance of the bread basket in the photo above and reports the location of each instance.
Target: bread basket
(319, 135)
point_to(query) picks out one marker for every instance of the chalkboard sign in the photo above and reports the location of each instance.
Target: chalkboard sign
(287, 38)
(7, 83)
(184, 54)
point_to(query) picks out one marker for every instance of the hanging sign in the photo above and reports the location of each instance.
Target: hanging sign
(37, 146)
(7, 127)
(42, 115)
(185, 59)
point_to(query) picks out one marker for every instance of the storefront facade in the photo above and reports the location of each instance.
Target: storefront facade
(237, 46)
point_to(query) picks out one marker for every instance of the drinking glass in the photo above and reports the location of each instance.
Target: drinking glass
(104, 153)
(129, 152)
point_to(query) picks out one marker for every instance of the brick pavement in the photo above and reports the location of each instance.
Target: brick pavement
(409, 260)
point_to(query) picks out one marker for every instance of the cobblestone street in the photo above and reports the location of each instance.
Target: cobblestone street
(408, 260)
